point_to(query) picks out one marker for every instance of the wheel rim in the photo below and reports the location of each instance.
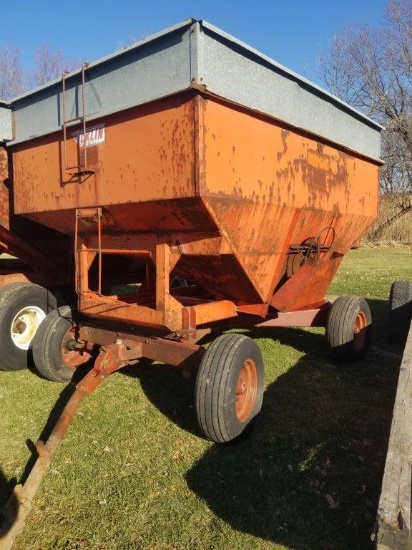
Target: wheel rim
(74, 357)
(359, 330)
(246, 390)
(25, 325)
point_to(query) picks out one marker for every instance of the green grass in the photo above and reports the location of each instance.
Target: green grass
(134, 472)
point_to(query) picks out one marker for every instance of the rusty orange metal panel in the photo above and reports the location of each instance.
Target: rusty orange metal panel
(144, 154)
(308, 286)
(235, 194)
(214, 311)
(46, 279)
(265, 183)
(254, 158)
(109, 308)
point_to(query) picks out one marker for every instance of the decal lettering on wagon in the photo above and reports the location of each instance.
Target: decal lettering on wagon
(94, 136)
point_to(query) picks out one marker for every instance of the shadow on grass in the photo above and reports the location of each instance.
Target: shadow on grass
(174, 396)
(7, 497)
(53, 417)
(309, 475)
(9, 503)
(379, 310)
(8, 500)
(171, 394)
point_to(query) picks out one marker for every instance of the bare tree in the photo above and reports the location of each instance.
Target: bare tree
(48, 65)
(12, 78)
(371, 69)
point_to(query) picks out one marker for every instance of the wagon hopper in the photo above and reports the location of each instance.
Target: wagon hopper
(232, 185)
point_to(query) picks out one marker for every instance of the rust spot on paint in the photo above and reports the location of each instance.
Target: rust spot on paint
(284, 134)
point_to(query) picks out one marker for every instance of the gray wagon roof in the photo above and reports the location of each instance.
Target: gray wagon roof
(196, 52)
(5, 122)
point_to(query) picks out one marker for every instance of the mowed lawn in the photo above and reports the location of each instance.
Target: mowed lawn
(134, 471)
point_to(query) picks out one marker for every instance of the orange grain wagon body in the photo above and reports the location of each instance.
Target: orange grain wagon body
(229, 191)
(230, 186)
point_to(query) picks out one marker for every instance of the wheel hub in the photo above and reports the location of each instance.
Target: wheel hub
(246, 390)
(359, 327)
(74, 353)
(25, 325)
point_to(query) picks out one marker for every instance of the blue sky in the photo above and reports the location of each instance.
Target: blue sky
(293, 32)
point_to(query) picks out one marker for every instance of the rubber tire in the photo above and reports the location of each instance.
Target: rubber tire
(13, 298)
(400, 312)
(47, 345)
(343, 343)
(216, 383)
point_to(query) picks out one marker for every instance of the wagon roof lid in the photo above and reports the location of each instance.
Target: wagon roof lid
(287, 72)
(6, 132)
(208, 27)
(151, 38)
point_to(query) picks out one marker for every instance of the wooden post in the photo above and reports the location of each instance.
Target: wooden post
(394, 510)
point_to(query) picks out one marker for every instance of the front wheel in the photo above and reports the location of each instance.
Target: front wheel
(56, 352)
(348, 328)
(229, 387)
(23, 307)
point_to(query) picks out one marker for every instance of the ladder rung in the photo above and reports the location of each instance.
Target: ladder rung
(85, 172)
(73, 119)
(90, 211)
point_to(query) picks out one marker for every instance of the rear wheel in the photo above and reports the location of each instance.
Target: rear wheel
(23, 307)
(229, 387)
(348, 328)
(400, 312)
(56, 353)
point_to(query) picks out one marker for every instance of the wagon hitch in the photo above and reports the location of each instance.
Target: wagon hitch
(18, 506)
